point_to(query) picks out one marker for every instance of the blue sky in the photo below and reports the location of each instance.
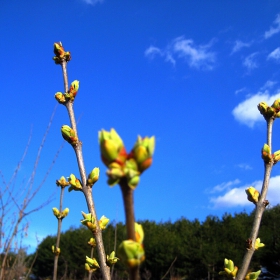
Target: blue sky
(191, 73)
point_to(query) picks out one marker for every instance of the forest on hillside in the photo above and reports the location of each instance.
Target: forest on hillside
(180, 250)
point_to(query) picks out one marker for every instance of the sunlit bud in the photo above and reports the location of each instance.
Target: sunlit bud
(139, 233)
(69, 135)
(73, 90)
(56, 212)
(262, 107)
(60, 97)
(103, 222)
(115, 173)
(133, 181)
(276, 156)
(258, 244)
(252, 194)
(112, 259)
(89, 269)
(92, 242)
(143, 151)
(276, 104)
(56, 250)
(60, 54)
(111, 147)
(92, 262)
(112, 181)
(62, 182)
(65, 212)
(270, 112)
(266, 153)
(252, 275)
(58, 49)
(88, 221)
(75, 183)
(93, 176)
(131, 253)
(229, 268)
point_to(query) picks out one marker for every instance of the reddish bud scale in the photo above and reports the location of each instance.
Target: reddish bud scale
(145, 164)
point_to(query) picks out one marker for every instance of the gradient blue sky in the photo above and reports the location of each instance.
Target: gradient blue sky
(189, 72)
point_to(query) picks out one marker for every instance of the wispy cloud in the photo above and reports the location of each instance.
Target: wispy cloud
(268, 85)
(224, 186)
(244, 166)
(197, 56)
(238, 45)
(250, 61)
(274, 54)
(237, 196)
(93, 2)
(247, 112)
(273, 29)
(240, 90)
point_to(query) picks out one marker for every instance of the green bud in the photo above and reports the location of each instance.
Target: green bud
(276, 157)
(92, 242)
(60, 54)
(65, 212)
(92, 262)
(56, 212)
(131, 253)
(111, 147)
(103, 222)
(88, 221)
(62, 182)
(276, 104)
(252, 275)
(93, 176)
(56, 250)
(60, 97)
(73, 90)
(266, 154)
(252, 194)
(133, 182)
(139, 233)
(258, 244)
(112, 259)
(75, 183)
(229, 269)
(69, 135)
(143, 151)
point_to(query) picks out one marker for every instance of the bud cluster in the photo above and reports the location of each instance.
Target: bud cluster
(60, 54)
(132, 252)
(89, 222)
(60, 215)
(272, 111)
(63, 98)
(91, 264)
(123, 165)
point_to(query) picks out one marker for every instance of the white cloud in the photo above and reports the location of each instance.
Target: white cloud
(250, 61)
(224, 186)
(247, 112)
(93, 2)
(238, 45)
(274, 29)
(237, 196)
(199, 57)
(152, 51)
(274, 54)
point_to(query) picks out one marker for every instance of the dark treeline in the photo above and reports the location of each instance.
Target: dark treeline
(185, 249)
